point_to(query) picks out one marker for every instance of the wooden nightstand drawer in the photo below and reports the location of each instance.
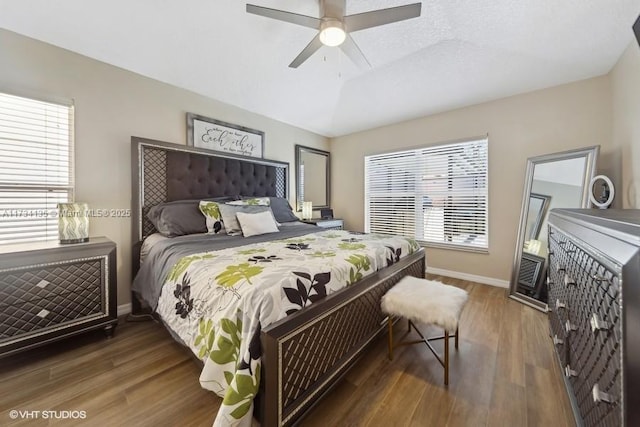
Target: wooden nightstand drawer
(50, 291)
(22, 320)
(24, 284)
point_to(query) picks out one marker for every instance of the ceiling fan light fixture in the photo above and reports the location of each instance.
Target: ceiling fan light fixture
(332, 32)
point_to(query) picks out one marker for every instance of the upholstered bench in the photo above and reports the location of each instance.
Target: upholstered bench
(429, 302)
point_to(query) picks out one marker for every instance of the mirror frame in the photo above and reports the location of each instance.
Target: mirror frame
(590, 154)
(299, 150)
(546, 200)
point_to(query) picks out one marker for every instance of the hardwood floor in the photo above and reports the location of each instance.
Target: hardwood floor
(504, 374)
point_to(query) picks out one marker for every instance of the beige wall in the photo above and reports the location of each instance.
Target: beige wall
(111, 106)
(625, 88)
(546, 121)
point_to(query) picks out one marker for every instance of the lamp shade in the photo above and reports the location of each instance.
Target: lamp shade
(307, 210)
(73, 222)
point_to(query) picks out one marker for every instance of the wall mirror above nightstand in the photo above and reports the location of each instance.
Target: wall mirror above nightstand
(312, 177)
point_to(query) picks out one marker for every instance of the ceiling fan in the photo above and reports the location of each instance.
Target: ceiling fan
(334, 27)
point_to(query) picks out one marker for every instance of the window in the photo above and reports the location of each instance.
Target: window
(36, 168)
(437, 195)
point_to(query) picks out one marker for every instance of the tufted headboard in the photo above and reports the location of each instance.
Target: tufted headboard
(164, 172)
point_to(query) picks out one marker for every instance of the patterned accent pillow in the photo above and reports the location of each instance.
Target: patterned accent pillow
(211, 212)
(251, 201)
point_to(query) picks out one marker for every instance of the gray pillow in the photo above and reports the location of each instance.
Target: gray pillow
(180, 217)
(228, 213)
(177, 218)
(282, 210)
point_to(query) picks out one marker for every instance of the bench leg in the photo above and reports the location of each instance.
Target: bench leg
(390, 338)
(446, 357)
(456, 339)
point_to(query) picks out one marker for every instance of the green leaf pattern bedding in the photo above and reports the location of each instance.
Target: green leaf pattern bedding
(217, 302)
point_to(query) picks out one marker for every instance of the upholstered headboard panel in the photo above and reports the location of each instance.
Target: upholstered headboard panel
(197, 176)
(163, 172)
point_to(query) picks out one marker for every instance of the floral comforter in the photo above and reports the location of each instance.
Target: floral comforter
(218, 302)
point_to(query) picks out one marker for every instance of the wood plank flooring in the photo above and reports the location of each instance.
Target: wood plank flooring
(504, 374)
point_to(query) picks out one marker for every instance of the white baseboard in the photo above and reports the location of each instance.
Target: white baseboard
(124, 309)
(471, 277)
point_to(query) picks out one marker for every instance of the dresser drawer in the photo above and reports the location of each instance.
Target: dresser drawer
(596, 348)
(603, 375)
(558, 335)
(31, 284)
(559, 261)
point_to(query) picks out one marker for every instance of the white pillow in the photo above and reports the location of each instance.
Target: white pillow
(253, 224)
(230, 220)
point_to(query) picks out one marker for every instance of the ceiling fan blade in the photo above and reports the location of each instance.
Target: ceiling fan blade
(281, 15)
(360, 21)
(314, 45)
(351, 49)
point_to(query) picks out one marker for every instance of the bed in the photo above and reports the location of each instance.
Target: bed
(316, 334)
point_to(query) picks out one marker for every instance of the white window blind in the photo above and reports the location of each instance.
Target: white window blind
(36, 169)
(437, 195)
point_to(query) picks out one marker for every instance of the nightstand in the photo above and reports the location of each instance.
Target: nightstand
(49, 291)
(332, 224)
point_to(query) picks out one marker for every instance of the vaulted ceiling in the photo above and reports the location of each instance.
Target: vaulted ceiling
(457, 53)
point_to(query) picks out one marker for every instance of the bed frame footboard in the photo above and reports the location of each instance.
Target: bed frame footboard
(306, 354)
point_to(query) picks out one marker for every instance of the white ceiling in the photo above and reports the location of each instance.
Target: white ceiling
(458, 53)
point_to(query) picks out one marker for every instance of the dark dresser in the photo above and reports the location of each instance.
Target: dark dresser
(594, 311)
(49, 291)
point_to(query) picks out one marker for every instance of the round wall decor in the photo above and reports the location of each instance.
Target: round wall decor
(608, 191)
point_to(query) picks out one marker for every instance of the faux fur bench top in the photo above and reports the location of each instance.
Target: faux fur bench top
(425, 301)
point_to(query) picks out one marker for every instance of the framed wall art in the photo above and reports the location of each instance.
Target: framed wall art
(216, 135)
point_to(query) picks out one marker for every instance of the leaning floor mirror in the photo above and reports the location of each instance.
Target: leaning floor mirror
(559, 180)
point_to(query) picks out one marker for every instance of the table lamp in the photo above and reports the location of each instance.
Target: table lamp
(307, 210)
(73, 222)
